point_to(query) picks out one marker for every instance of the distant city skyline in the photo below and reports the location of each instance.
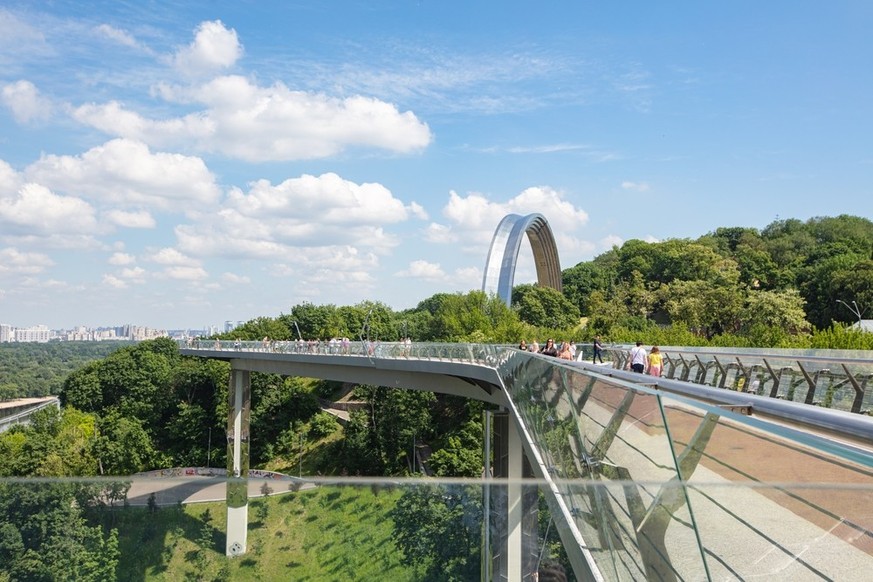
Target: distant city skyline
(175, 163)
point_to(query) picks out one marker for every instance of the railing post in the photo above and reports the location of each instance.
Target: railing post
(859, 391)
(810, 393)
(776, 378)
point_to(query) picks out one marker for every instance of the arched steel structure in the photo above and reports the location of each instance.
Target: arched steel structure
(503, 254)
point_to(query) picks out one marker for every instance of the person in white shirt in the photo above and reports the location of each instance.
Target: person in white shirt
(638, 358)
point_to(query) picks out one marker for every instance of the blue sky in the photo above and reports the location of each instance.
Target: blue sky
(178, 164)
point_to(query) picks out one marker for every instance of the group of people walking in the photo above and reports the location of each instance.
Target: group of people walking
(646, 363)
(566, 351)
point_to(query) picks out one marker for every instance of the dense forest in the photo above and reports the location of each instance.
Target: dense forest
(32, 369)
(144, 406)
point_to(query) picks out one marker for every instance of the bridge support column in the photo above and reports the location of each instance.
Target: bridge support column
(238, 411)
(514, 507)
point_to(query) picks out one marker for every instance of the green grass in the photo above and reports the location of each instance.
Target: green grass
(328, 533)
(319, 458)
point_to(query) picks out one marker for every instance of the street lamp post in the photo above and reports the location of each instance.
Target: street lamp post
(853, 308)
(366, 326)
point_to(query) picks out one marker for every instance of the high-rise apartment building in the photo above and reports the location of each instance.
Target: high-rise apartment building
(37, 333)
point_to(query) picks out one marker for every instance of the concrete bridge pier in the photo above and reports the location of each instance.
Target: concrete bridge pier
(238, 415)
(513, 507)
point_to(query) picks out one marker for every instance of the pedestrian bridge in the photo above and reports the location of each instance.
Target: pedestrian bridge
(20, 410)
(645, 478)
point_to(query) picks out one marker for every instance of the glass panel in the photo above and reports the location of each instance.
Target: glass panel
(770, 504)
(602, 432)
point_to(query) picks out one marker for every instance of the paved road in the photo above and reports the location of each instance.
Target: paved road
(197, 489)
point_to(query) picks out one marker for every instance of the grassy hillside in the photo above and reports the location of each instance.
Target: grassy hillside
(329, 533)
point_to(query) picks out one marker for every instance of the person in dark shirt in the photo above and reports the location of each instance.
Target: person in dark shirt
(550, 349)
(598, 350)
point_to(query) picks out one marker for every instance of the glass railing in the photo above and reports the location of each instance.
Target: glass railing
(722, 524)
(838, 379)
(661, 487)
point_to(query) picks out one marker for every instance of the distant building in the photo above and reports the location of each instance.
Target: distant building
(37, 333)
(7, 333)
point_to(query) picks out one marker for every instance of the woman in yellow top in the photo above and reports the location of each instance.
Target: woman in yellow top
(655, 361)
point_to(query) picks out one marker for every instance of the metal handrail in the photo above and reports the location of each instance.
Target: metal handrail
(835, 421)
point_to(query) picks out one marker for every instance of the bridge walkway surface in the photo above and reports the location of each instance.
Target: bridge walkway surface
(647, 478)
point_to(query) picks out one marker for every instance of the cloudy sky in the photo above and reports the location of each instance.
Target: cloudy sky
(178, 164)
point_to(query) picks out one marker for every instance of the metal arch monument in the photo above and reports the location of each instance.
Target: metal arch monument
(503, 254)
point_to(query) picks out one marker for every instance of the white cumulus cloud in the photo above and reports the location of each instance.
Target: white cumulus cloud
(25, 102)
(133, 273)
(186, 273)
(126, 173)
(235, 279)
(13, 261)
(214, 47)
(258, 124)
(474, 218)
(421, 269)
(439, 233)
(114, 282)
(10, 180)
(121, 259)
(35, 209)
(294, 217)
(170, 256)
(117, 35)
(138, 219)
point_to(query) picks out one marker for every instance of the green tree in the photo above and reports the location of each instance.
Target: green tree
(473, 316)
(400, 418)
(277, 402)
(775, 309)
(261, 327)
(313, 321)
(359, 446)
(440, 527)
(82, 388)
(54, 541)
(703, 306)
(461, 456)
(580, 281)
(544, 307)
(57, 443)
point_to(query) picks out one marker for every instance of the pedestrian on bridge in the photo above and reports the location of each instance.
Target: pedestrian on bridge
(598, 350)
(638, 358)
(656, 362)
